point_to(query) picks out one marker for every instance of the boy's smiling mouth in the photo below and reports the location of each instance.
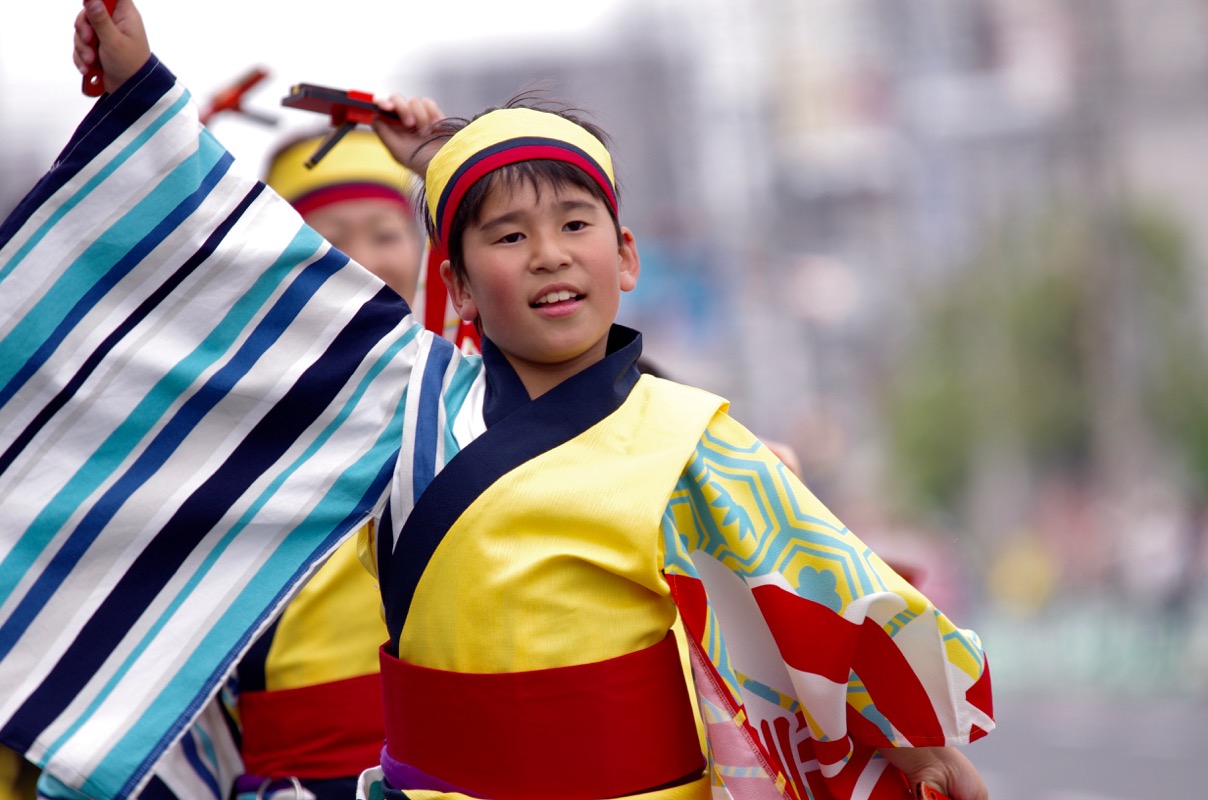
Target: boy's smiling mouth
(552, 297)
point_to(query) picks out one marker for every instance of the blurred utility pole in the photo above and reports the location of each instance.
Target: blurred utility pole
(730, 94)
(1122, 440)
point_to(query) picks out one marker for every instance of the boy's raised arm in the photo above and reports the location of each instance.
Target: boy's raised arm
(119, 42)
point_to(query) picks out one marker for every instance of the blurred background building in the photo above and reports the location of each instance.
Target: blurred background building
(952, 251)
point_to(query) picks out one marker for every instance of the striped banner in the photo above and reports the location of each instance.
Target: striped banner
(199, 399)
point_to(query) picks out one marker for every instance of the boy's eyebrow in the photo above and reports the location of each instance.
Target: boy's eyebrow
(515, 215)
(506, 218)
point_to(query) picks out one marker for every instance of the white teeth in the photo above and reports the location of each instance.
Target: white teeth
(554, 297)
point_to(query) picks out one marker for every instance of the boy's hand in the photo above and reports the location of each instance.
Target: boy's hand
(945, 768)
(407, 138)
(119, 42)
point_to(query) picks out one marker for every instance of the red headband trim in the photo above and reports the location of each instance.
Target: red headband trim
(340, 193)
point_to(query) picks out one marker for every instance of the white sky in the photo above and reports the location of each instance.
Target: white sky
(369, 45)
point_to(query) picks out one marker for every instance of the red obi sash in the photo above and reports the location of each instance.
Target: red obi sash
(606, 729)
(331, 730)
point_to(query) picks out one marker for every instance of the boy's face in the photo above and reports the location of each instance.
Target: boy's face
(380, 235)
(544, 275)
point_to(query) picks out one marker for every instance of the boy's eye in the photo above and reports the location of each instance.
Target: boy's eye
(576, 225)
(511, 238)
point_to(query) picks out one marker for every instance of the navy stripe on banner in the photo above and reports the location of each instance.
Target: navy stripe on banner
(302, 404)
(424, 464)
(110, 117)
(383, 537)
(203, 770)
(254, 664)
(533, 428)
(156, 789)
(149, 242)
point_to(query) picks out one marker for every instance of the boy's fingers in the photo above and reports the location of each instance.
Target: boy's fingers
(393, 104)
(83, 53)
(432, 108)
(83, 30)
(98, 18)
(425, 113)
(405, 110)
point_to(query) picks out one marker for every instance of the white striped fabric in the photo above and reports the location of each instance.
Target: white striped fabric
(203, 764)
(199, 398)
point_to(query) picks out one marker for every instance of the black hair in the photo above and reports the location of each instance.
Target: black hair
(538, 173)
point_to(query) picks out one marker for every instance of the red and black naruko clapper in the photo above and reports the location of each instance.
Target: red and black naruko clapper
(347, 109)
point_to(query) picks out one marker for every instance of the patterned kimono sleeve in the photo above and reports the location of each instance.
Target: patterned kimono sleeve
(808, 651)
(199, 400)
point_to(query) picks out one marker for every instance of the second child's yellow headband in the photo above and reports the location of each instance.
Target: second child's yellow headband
(360, 168)
(508, 136)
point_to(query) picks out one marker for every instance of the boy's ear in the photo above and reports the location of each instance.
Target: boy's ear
(630, 264)
(459, 292)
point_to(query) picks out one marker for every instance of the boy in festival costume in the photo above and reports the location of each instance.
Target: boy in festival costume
(525, 202)
(203, 383)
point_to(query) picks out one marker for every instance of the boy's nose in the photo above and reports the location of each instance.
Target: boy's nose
(549, 253)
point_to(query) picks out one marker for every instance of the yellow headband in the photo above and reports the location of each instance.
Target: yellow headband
(358, 167)
(508, 136)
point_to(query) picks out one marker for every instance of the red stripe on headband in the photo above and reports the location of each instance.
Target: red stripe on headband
(343, 192)
(514, 155)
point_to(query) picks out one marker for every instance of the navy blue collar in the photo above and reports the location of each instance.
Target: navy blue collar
(614, 375)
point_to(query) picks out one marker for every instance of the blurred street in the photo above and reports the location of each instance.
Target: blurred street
(1075, 745)
(1096, 700)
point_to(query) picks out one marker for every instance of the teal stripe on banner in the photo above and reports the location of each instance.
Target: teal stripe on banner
(122, 157)
(95, 263)
(455, 397)
(148, 413)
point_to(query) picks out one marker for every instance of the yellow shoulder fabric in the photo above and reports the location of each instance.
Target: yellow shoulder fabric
(560, 561)
(332, 629)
